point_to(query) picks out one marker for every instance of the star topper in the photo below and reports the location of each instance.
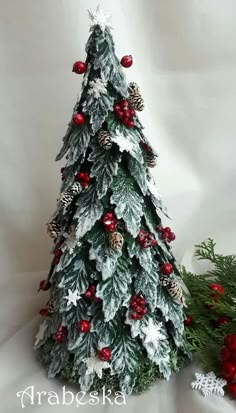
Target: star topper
(99, 18)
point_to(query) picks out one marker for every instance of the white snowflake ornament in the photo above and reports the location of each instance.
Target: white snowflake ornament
(209, 384)
(99, 18)
(72, 297)
(153, 332)
(98, 86)
(95, 365)
(71, 242)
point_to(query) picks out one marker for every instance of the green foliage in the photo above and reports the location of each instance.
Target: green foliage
(205, 306)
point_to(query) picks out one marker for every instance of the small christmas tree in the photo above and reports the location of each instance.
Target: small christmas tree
(115, 314)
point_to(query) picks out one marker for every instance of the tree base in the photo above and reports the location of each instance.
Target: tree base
(148, 374)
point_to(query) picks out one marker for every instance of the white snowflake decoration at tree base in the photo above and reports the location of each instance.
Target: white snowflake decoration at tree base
(95, 365)
(209, 384)
(99, 18)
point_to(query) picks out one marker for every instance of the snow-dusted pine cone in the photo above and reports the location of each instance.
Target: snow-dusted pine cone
(53, 229)
(164, 281)
(174, 290)
(67, 197)
(116, 240)
(104, 140)
(151, 159)
(135, 97)
(50, 306)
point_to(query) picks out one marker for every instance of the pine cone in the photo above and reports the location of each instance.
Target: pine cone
(50, 306)
(151, 159)
(175, 290)
(116, 240)
(135, 98)
(164, 281)
(53, 229)
(67, 197)
(104, 140)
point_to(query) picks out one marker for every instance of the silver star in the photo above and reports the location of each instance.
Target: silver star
(72, 297)
(40, 334)
(99, 18)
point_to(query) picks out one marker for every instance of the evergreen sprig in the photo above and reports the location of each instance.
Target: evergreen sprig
(206, 335)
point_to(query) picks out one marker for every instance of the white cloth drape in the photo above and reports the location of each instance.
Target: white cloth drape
(185, 62)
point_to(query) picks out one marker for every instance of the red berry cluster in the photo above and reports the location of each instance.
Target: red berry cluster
(104, 354)
(222, 320)
(167, 268)
(146, 239)
(58, 252)
(125, 113)
(83, 326)
(44, 285)
(91, 293)
(138, 305)
(61, 334)
(166, 233)
(110, 221)
(228, 357)
(83, 178)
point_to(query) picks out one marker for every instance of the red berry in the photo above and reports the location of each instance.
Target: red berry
(229, 339)
(59, 338)
(142, 301)
(56, 260)
(87, 177)
(132, 113)
(167, 268)
(167, 230)
(216, 287)
(228, 370)
(116, 108)
(105, 354)
(188, 321)
(124, 104)
(111, 227)
(44, 285)
(130, 123)
(232, 346)
(231, 387)
(154, 243)
(44, 312)
(171, 236)
(126, 120)
(134, 315)
(78, 119)
(62, 170)
(79, 67)
(88, 294)
(139, 316)
(160, 228)
(110, 215)
(144, 311)
(164, 235)
(127, 61)
(83, 326)
(225, 354)
(97, 299)
(222, 320)
(85, 185)
(92, 288)
(80, 176)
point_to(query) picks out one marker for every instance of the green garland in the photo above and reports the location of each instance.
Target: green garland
(211, 307)
(148, 371)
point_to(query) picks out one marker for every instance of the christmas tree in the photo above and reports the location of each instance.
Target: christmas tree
(115, 313)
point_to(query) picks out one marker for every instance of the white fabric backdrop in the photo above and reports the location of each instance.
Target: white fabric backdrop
(185, 62)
